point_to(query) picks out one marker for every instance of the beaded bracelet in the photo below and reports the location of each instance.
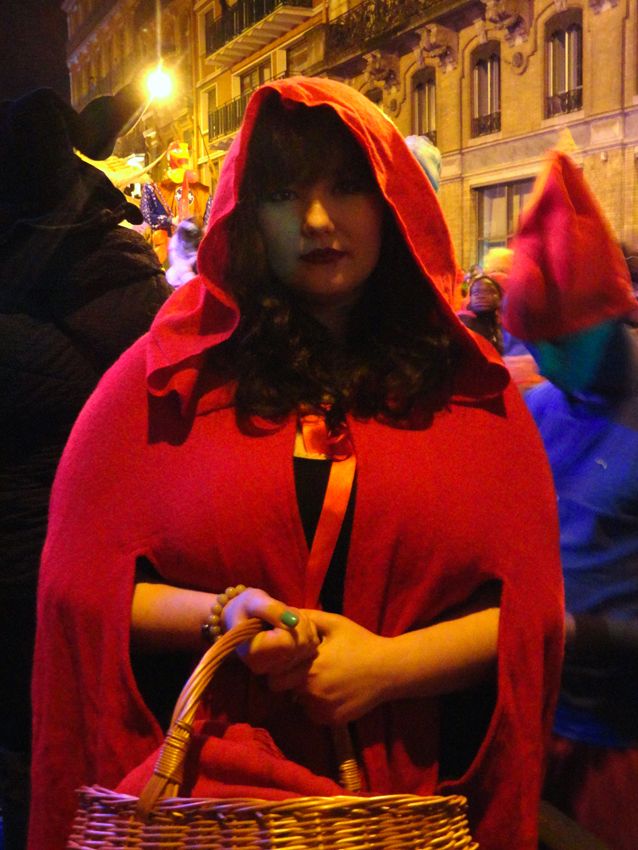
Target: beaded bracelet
(212, 626)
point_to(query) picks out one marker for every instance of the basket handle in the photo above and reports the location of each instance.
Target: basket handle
(168, 772)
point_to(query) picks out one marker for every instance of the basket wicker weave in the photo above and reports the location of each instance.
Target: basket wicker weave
(159, 819)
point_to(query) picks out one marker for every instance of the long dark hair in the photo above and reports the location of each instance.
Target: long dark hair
(398, 358)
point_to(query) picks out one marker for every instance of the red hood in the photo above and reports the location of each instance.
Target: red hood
(203, 314)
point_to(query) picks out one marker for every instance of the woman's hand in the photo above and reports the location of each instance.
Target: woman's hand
(356, 670)
(280, 649)
(342, 682)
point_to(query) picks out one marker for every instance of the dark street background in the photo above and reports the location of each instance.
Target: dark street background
(32, 47)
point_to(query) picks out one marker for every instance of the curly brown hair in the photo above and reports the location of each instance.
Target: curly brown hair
(398, 356)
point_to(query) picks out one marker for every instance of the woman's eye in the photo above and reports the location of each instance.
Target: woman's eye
(280, 195)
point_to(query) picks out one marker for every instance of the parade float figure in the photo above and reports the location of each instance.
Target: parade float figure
(178, 197)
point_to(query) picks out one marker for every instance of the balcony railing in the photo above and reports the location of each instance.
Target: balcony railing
(241, 16)
(483, 125)
(566, 101)
(227, 118)
(370, 20)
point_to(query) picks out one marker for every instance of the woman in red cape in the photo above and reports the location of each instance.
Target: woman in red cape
(317, 339)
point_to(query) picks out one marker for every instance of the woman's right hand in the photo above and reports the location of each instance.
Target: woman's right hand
(277, 650)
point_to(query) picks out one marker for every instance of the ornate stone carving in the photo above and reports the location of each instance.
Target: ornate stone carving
(382, 72)
(481, 30)
(598, 6)
(440, 43)
(513, 16)
(519, 62)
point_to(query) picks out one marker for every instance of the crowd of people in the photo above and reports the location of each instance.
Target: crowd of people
(426, 506)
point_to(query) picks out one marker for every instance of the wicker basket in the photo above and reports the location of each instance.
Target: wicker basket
(159, 819)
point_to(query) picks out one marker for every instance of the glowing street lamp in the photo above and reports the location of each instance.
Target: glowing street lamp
(159, 83)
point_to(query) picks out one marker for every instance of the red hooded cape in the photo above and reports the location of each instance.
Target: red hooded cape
(440, 510)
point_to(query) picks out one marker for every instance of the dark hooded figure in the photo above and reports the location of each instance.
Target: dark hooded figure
(297, 421)
(76, 289)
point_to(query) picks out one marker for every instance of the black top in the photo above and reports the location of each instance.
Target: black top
(311, 481)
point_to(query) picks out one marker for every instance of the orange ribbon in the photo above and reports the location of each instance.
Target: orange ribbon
(337, 447)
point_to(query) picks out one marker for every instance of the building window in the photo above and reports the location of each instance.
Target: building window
(424, 104)
(255, 77)
(486, 93)
(564, 47)
(207, 106)
(498, 210)
(298, 57)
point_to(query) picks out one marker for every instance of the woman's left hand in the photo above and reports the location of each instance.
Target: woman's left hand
(342, 683)
(285, 646)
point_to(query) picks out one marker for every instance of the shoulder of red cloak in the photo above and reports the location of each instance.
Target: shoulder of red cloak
(121, 400)
(526, 561)
(203, 314)
(98, 517)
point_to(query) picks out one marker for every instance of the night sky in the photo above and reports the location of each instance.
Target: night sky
(32, 47)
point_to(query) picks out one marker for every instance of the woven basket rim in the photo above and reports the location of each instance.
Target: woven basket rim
(435, 801)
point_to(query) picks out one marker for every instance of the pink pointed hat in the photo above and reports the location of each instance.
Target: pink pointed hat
(568, 271)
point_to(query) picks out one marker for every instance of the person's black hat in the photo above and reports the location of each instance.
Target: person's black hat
(38, 165)
(100, 123)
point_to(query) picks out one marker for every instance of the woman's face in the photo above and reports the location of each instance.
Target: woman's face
(323, 239)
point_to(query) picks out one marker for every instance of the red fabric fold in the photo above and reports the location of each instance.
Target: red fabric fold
(243, 762)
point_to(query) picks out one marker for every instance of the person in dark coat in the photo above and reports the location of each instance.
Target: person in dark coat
(76, 290)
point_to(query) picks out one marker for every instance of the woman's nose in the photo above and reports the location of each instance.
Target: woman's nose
(317, 217)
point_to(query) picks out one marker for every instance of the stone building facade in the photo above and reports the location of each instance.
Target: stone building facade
(494, 83)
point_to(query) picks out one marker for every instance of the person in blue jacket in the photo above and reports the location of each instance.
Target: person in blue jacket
(569, 296)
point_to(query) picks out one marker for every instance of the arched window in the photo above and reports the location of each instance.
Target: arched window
(564, 63)
(486, 89)
(424, 104)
